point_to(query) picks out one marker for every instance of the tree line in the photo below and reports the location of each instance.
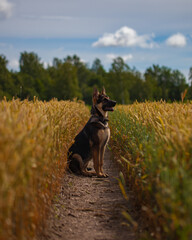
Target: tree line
(71, 78)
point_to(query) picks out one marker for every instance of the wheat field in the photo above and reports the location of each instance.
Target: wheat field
(153, 142)
(34, 138)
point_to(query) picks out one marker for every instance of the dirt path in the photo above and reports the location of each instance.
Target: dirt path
(89, 208)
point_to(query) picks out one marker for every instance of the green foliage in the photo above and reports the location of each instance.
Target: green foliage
(65, 81)
(118, 81)
(170, 83)
(6, 83)
(70, 78)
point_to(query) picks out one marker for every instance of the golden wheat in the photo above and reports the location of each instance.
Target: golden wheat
(171, 122)
(34, 138)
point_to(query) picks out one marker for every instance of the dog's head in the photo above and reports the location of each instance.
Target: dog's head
(102, 102)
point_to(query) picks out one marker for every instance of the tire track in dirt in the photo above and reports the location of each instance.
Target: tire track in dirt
(89, 208)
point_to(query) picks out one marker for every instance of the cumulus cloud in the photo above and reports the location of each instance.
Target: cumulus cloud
(177, 40)
(126, 58)
(125, 37)
(14, 64)
(5, 9)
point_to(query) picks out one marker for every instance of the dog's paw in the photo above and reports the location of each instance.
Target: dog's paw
(103, 175)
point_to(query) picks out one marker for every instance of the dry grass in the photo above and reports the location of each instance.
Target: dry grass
(155, 141)
(34, 138)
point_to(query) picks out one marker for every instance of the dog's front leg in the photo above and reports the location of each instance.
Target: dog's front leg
(96, 161)
(102, 152)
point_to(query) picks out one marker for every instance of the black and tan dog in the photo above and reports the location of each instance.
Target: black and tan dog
(91, 142)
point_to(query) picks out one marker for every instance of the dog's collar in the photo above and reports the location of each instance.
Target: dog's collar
(95, 110)
(101, 121)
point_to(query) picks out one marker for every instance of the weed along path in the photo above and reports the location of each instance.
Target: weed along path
(89, 208)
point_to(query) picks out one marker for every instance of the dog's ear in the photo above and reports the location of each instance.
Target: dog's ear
(103, 91)
(95, 95)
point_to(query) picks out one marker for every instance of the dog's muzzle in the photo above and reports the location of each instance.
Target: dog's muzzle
(109, 106)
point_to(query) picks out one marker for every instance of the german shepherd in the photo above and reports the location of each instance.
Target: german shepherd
(91, 142)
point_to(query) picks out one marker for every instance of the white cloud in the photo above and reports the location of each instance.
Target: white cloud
(125, 37)
(47, 64)
(177, 40)
(14, 64)
(5, 9)
(126, 58)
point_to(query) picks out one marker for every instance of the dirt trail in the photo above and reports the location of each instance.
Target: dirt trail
(89, 208)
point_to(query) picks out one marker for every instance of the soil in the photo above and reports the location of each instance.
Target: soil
(89, 208)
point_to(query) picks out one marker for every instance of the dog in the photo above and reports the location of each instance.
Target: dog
(91, 142)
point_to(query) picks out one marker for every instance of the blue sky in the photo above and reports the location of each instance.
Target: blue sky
(142, 32)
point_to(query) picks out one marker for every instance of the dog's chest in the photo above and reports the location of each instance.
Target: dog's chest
(103, 135)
